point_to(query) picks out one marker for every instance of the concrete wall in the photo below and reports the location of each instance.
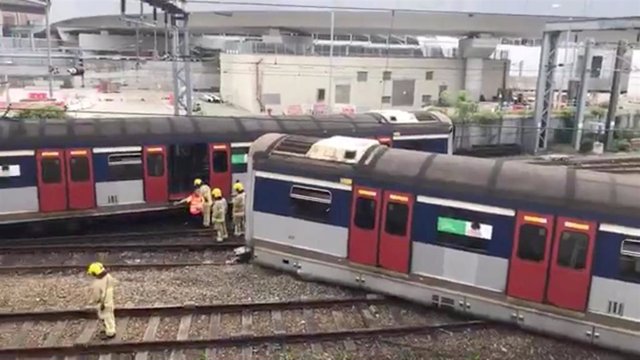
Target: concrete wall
(296, 80)
(634, 77)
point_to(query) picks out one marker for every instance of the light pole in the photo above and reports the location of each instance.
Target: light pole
(49, 62)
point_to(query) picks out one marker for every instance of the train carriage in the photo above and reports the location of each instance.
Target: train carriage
(57, 169)
(548, 249)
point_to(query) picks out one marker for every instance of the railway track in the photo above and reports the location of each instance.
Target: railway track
(118, 251)
(194, 331)
(613, 165)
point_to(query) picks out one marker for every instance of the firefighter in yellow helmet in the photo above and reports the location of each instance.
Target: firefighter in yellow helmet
(102, 297)
(219, 214)
(238, 209)
(200, 201)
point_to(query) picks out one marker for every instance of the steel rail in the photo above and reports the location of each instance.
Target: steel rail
(335, 335)
(189, 308)
(137, 246)
(115, 236)
(116, 266)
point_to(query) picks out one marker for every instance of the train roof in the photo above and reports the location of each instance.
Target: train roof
(27, 134)
(578, 189)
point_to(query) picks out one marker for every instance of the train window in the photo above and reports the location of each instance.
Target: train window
(220, 163)
(463, 229)
(531, 242)
(124, 166)
(79, 168)
(155, 164)
(365, 216)
(7, 171)
(310, 203)
(630, 260)
(396, 221)
(572, 250)
(51, 171)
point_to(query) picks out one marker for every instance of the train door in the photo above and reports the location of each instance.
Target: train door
(52, 188)
(558, 271)
(364, 226)
(394, 246)
(156, 184)
(80, 184)
(220, 169)
(530, 256)
(570, 270)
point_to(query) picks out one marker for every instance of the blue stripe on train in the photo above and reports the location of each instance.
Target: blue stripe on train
(28, 172)
(272, 196)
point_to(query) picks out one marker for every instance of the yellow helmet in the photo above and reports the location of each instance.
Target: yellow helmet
(197, 182)
(216, 193)
(238, 186)
(95, 269)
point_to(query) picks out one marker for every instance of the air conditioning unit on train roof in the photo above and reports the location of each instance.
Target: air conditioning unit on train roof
(341, 149)
(396, 116)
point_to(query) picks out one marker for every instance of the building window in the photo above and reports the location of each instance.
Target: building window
(125, 166)
(310, 203)
(630, 259)
(386, 99)
(363, 76)
(463, 229)
(155, 165)
(320, 95)
(79, 168)
(386, 75)
(396, 221)
(596, 66)
(343, 94)
(426, 100)
(220, 163)
(51, 171)
(532, 242)
(428, 75)
(572, 250)
(365, 214)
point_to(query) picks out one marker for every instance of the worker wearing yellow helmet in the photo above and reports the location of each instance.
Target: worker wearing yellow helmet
(219, 215)
(238, 209)
(200, 201)
(102, 297)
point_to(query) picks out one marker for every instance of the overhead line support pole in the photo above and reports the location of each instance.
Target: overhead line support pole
(544, 88)
(585, 74)
(615, 94)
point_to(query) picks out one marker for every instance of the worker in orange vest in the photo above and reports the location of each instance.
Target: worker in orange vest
(196, 202)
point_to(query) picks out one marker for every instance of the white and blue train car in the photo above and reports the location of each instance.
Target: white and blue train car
(83, 169)
(552, 250)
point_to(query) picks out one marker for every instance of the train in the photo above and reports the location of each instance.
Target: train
(89, 168)
(546, 249)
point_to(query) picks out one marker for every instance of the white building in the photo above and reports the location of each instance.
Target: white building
(285, 82)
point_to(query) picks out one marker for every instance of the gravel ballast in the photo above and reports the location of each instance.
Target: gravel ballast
(201, 285)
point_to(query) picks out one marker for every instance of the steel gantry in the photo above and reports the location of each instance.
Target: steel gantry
(619, 28)
(178, 18)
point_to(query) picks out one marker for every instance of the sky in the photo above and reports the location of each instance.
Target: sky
(68, 9)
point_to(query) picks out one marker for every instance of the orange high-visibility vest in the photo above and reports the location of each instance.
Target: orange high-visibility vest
(195, 204)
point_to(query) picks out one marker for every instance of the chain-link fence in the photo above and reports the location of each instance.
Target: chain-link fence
(561, 134)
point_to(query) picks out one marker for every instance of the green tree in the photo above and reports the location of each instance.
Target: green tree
(48, 112)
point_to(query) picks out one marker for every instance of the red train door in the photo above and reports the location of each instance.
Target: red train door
(394, 251)
(570, 272)
(80, 185)
(52, 187)
(220, 169)
(530, 256)
(364, 226)
(156, 183)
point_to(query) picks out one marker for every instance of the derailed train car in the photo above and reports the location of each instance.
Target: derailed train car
(547, 249)
(84, 168)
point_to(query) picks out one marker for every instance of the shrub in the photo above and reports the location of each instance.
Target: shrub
(49, 112)
(486, 117)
